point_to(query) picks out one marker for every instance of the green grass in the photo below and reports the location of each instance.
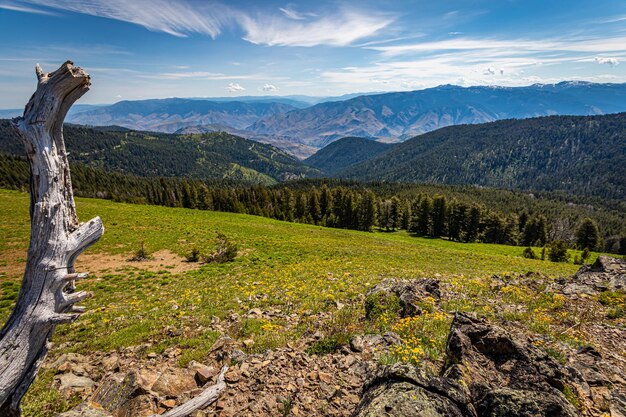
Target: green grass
(296, 268)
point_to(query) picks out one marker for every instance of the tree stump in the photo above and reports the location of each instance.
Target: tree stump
(56, 237)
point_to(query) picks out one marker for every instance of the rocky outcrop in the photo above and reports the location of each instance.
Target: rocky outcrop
(406, 391)
(400, 296)
(505, 377)
(490, 373)
(606, 274)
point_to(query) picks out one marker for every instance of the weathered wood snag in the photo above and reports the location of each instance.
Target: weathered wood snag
(46, 297)
(56, 237)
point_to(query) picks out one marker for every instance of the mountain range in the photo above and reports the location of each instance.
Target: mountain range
(300, 124)
(399, 116)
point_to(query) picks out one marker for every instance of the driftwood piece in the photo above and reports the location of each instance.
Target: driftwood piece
(56, 239)
(207, 397)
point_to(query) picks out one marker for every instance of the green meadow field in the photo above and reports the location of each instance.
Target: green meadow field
(298, 269)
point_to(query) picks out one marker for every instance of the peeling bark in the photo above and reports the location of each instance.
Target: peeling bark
(56, 239)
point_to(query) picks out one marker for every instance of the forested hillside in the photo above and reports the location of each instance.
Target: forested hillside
(577, 155)
(203, 156)
(344, 153)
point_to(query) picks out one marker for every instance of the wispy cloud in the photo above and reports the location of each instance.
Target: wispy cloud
(508, 46)
(338, 29)
(175, 18)
(24, 9)
(198, 75)
(235, 87)
(285, 27)
(291, 13)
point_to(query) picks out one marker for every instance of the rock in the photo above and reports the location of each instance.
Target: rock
(203, 373)
(503, 373)
(174, 381)
(114, 391)
(606, 273)
(145, 379)
(399, 296)
(404, 391)
(70, 381)
(232, 376)
(85, 410)
(140, 406)
(111, 363)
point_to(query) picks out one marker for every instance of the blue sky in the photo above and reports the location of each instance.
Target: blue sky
(137, 49)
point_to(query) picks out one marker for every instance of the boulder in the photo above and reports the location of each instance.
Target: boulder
(405, 391)
(174, 381)
(69, 381)
(505, 376)
(114, 391)
(606, 274)
(399, 296)
(85, 410)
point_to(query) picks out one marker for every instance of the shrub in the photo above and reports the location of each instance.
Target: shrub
(557, 251)
(142, 254)
(615, 312)
(585, 255)
(380, 304)
(529, 253)
(325, 346)
(226, 251)
(194, 256)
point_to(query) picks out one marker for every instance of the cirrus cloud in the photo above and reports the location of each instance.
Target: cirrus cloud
(285, 27)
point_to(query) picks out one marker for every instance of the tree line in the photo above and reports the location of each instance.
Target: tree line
(348, 205)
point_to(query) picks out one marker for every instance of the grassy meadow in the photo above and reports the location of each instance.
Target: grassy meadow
(298, 269)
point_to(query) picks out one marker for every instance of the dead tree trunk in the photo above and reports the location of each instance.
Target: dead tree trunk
(56, 237)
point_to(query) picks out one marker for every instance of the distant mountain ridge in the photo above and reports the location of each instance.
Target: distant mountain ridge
(216, 155)
(582, 155)
(170, 115)
(399, 116)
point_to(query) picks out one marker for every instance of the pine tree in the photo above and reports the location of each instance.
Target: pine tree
(424, 216)
(587, 235)
(472, 225)
(367, 211)
(395, 213)
(314, 206)
(439, 216)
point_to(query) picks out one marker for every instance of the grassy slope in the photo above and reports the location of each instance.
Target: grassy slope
(286, 265)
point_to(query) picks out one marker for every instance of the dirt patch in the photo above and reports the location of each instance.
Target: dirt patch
(12, 263)
(164, 259)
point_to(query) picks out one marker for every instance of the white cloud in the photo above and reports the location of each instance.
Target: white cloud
(606, 60)
(338, 29)
(269, 88)
(291, 13)
(204, 75)
(175, 18)
(24, 9)
(235, 88)
(184, 17)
